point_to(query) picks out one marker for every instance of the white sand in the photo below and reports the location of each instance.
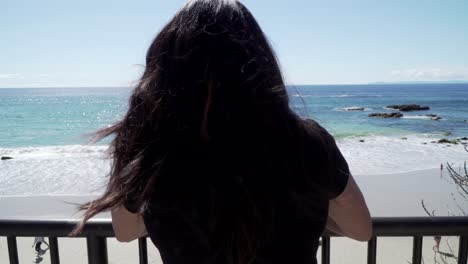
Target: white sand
(386, 194)
(401, 194)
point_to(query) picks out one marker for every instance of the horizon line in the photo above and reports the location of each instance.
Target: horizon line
(288, 84)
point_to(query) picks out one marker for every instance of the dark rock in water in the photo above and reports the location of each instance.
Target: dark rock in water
(444, 140)
(425, 143)
(361, 140)
(404, 138)
(6, 158)
(406, 108)
(433, 142)
(386, 115)
(464, 138)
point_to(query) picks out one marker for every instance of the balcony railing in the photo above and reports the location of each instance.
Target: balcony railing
(96, 232)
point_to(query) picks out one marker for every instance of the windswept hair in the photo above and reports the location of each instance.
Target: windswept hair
(211, 107)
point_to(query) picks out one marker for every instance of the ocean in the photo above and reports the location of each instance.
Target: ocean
(45, 131)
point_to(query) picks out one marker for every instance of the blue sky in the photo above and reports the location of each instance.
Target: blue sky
(67, 43)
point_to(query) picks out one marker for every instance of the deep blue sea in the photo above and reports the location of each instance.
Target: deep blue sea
(63, 116)
(326, 104)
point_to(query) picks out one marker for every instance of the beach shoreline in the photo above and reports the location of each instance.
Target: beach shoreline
(83, 169)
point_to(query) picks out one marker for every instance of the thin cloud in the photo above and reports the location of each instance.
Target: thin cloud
(430, 74)
(45, 75)
(16, 76)
(11, 76)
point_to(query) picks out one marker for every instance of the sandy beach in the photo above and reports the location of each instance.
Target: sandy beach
(387, 195)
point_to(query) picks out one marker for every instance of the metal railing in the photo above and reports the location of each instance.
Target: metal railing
(96, 232)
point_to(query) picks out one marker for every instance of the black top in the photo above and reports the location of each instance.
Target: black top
(178, 229)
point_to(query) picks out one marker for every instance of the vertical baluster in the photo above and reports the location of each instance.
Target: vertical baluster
(463, 250)
(54, 253)
(417, 249)
(143, 250)
(12, 250)
(325, 250)
(372, 251)
(97, 250)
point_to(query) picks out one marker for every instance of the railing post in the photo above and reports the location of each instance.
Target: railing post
(97, 250)
(463, 250)
(12, 250)
(325, 250)
(143, 250)
(417, 249)
(372, 251)
(54, 253)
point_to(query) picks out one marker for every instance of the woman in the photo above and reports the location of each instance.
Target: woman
(211, 162)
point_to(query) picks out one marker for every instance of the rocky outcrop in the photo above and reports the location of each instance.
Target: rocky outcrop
(386, 115)
(407, 108)
(6, 158)
(445, 141)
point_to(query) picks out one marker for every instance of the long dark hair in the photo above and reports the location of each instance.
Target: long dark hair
(210, 107)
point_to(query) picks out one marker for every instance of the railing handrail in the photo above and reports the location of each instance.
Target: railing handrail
(54, 227)
(97, 230)
(383, 227)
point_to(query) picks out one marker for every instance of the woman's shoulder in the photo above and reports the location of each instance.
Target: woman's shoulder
(318, 133)
(338, 169)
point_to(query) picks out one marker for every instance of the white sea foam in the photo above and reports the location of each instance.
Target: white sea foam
(83, 170)
(54, 151)
(54, 170)
(416, 117)
(342, 95)
(424, 117)
(355, 95)
(354, 108)
(304, 95)
(391, 109)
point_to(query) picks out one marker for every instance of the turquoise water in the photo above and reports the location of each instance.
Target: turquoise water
(55, 116)
(51, 116)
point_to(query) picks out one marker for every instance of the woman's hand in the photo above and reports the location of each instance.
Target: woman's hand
(127, 226)
(333, 227)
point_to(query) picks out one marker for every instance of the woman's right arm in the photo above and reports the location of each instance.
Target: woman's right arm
(348, 213)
